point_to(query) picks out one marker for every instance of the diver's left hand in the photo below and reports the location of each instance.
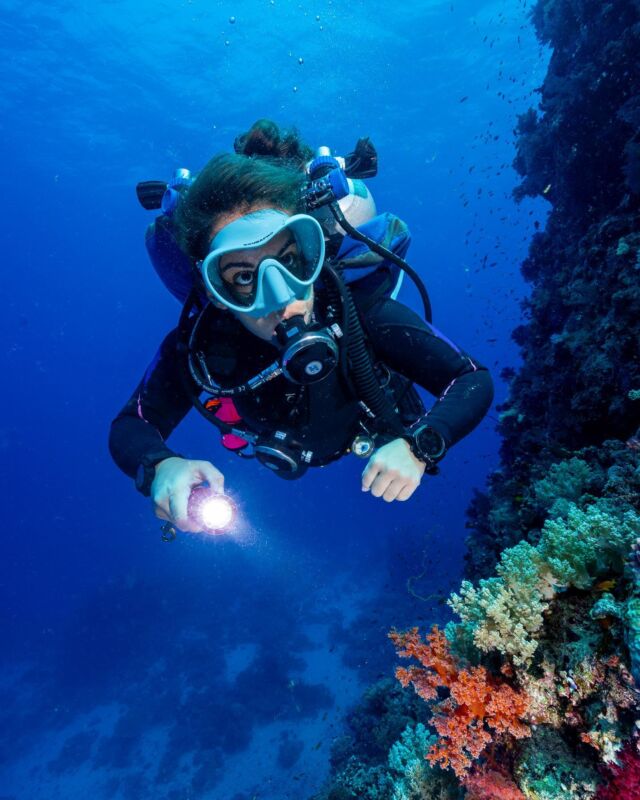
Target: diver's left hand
(393, 472)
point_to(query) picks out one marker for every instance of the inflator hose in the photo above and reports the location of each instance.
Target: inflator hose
(389, 255)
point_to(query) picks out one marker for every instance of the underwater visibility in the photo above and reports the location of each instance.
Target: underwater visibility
(321, 443)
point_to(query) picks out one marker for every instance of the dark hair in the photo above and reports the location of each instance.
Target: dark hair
(228, 183)
(266, 138)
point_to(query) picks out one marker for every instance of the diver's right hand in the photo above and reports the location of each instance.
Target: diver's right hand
(172, 485)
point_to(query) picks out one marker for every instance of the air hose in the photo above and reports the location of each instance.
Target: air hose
(189, 375)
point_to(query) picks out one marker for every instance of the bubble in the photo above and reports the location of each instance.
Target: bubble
(232, 20)
(295, 88)
(227, 42)
(317, 17)
(301, 60)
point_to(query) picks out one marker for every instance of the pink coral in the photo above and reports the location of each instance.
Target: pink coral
(490, 785)
(622, 782)
(480, 708)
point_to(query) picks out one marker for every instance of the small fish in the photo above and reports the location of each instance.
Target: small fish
(464, 99)
(605, 585)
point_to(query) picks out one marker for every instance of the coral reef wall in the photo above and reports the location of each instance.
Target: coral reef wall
(534, 693)
(578, 382)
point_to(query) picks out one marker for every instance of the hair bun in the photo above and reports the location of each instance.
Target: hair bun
(262, 139)
(265, 139)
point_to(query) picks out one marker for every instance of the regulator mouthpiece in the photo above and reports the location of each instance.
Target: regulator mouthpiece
(214, 512)
(309, 353)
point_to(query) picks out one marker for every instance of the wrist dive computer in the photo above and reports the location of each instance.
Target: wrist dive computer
(427, 445)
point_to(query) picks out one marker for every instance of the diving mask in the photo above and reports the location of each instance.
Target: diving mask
(257, 288)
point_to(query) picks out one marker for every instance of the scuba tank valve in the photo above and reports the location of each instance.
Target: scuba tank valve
(163, 196)
(182, 179)
(329, 188)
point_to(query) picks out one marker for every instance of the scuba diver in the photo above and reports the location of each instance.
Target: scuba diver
(290, 341)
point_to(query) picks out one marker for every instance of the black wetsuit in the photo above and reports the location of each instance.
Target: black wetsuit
(323, 417)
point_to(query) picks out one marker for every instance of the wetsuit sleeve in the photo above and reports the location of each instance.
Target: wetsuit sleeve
(157, 406)
(414, 348)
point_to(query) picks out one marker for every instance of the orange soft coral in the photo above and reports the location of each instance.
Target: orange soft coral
(439, 666)
(480, 707)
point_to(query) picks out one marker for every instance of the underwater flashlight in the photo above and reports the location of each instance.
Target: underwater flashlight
(214, 512)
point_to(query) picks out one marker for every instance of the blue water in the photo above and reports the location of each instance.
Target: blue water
(202, 668)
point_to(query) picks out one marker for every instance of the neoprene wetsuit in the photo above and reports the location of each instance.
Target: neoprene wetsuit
(323, 416)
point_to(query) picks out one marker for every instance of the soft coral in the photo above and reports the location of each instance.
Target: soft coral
(480, 707)
(491, 785)
(623, 781)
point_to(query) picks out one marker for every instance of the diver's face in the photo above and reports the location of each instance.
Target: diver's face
(239, 269)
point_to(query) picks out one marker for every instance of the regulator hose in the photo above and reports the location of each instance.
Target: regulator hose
(197, 371)
(189, 377)
(367, 386)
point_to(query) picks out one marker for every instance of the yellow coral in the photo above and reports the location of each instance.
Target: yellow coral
(505, 613)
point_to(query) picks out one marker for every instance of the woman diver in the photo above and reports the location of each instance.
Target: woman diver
(300, 364)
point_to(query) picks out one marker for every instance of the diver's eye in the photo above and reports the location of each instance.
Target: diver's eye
(244, 278)
(289, 260)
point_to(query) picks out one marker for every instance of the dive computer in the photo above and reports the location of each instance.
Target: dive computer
(427, 445)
